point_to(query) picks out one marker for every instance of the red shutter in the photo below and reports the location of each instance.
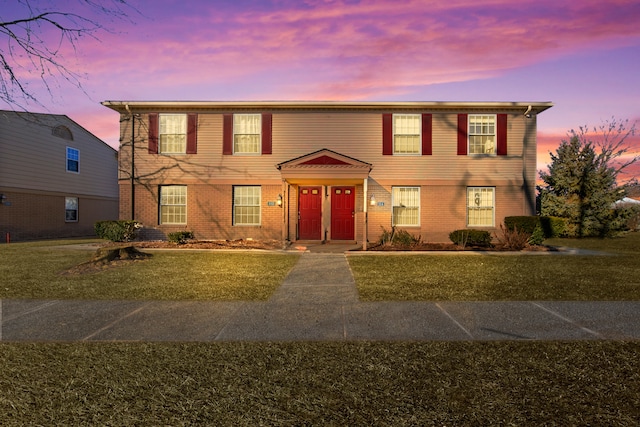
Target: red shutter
(153, 133)
(462, 134)
(501, 135)
(227, 134)
(426, 134)
(266, 133)
(192, 134)
(387, 134)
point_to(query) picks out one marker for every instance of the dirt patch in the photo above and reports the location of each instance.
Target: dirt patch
(455, 248)
(214, 244)
(107, 257)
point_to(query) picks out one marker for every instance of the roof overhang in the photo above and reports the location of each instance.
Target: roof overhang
(126, 106)
(326, 167)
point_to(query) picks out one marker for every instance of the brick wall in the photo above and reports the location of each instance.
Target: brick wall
(41, 215)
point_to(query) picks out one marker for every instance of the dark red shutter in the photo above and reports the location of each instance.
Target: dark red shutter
(387, 134)
(426, 134)
(192, 134)
(501, 134)
(153, 133)
(266, 133)
(227, 134)
(462, 134)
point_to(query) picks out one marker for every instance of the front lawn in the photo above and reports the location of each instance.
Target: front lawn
(497, 277)
(35, 270)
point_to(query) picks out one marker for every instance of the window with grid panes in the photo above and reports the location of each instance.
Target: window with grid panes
(406, 205)
(482, 134)
(247, 130)
(173, 204)
(480, 206)
(172, 133)
(406, 134)
(246, 205)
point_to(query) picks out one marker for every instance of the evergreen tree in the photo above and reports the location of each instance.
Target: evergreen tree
(581, 184)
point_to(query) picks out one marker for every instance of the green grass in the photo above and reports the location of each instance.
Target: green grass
(32, 270)
(231, 384)
(460, 277)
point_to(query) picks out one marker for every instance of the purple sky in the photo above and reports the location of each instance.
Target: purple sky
(584, 56)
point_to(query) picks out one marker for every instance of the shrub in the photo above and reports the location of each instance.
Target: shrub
(538, 227)
(180, 237)
(471, 237)
(398, 237)
(117, 231)
(513, 239)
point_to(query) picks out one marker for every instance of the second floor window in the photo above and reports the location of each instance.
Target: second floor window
(73, 160)
(246, 133)
(406, 134)
(482, 134)
(172, 133)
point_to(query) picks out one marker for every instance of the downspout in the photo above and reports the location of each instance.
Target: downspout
(365, 232)
(133, 163)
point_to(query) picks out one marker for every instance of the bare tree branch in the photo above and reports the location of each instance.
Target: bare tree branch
(33, 41)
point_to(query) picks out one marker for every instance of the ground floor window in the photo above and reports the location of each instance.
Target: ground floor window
(406, 205)
(71, 209)
(480, 206)
(246, 205)
(173, 204)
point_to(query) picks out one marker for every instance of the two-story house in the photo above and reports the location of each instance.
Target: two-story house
(56, 178)
(326, 171)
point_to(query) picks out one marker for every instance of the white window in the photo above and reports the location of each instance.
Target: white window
(406, 205)
(482, 134)
(480, 206)
(172, 133)
(406, 133)
(71, 209)
(73, 160)
(173, 204)
(247, 130)
(246, 205)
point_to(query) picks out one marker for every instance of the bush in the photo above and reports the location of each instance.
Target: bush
(180, 237)
(398, 237)
(470, 237)
(538, 227)
(515, 240)
(117, 231)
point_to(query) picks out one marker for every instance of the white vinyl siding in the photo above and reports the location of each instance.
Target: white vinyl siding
(482, 134)
(406, 133)
(246, 205)
(71, 209)
(173, 204)
(480, 206)
(406, 206)
(247, 130)
(172, 133)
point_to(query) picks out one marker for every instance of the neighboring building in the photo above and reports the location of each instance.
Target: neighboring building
(56, 178)
(331, 171)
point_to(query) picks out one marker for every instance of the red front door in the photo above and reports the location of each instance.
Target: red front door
(343, 202)
(310, 213)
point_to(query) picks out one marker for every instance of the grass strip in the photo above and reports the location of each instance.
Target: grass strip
(364, 383)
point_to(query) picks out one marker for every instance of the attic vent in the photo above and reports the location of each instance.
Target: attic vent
(62, 132)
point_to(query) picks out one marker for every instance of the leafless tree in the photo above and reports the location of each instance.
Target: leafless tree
(33, 37)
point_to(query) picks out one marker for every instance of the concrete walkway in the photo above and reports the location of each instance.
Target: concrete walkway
(317, 301)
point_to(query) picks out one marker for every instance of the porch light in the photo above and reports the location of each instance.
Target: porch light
(279, 201)
(372, 200)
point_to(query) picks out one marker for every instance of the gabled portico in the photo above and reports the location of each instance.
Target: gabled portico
(325, 196)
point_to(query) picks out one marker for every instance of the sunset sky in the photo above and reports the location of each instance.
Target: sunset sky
(584, 56)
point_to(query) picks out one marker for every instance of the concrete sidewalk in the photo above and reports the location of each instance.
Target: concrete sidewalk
(317, 301)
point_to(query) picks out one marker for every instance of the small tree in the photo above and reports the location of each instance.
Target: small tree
(581, 184)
